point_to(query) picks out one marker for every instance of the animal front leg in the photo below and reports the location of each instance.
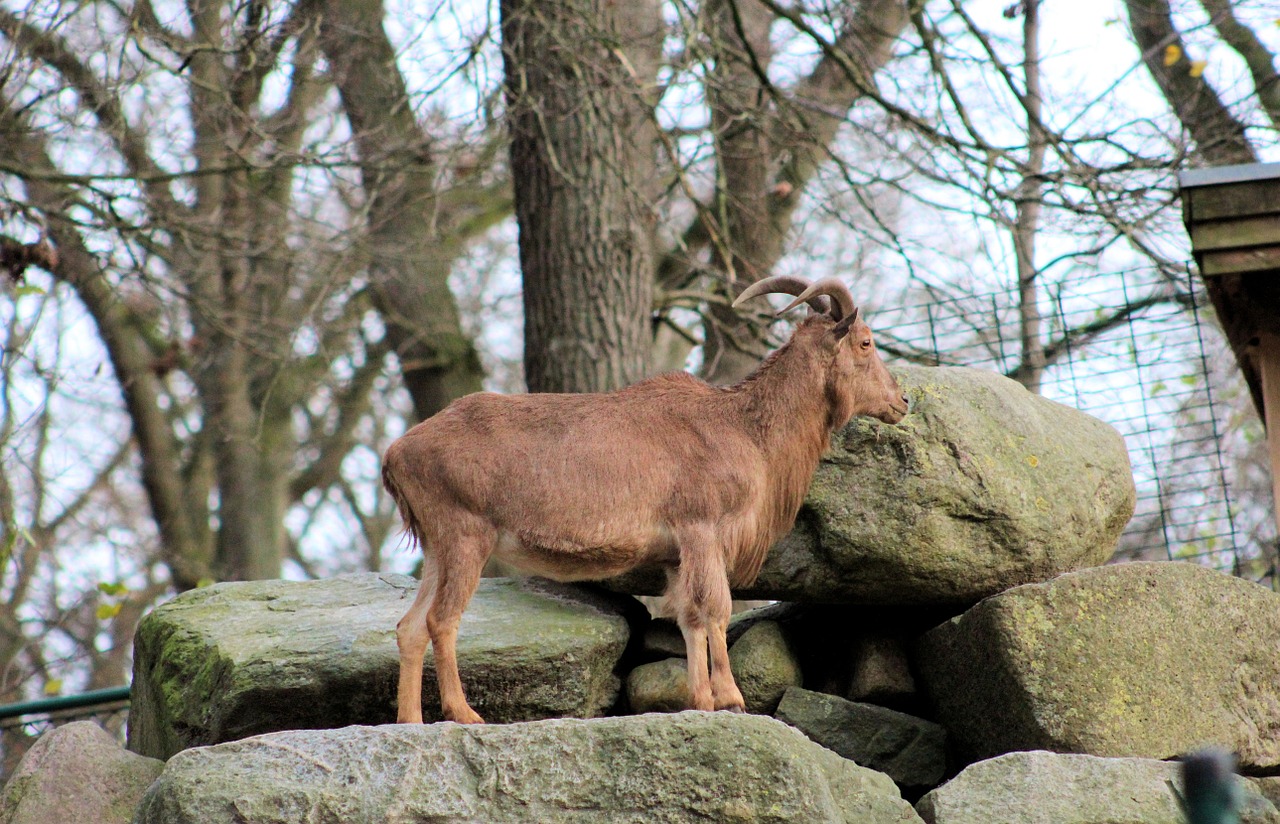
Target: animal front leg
(724, 689)
(700, 595)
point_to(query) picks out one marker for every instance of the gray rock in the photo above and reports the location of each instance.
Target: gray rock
(762, 662)
(234, 660)
(910, 750)
(660, 686)
(1052, 788)
(648, 769)
(983, 486)
(1144, 659)
(662, 639)
(77, 774)
(881, 671)
(764, 666)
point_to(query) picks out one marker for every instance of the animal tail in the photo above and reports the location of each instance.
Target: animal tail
(412, 526)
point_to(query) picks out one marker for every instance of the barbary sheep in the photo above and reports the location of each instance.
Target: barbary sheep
(669, 472)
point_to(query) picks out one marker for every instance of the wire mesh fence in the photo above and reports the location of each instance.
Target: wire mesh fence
(1135, 349)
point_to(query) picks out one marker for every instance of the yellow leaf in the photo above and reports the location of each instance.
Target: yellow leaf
(1172, 53)
(108, 611)
(1033, 461)
(53, 686)
(1197, 67)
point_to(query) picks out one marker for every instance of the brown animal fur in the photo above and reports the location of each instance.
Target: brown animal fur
(671, 472)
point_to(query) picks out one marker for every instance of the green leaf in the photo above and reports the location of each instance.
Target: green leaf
(113, 589)
(24, 289)
(53, 686)
(108, 611)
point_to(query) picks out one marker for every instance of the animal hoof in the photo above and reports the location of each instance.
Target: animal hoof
(468, 717)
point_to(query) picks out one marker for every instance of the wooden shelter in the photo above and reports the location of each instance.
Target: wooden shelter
(1233, 216)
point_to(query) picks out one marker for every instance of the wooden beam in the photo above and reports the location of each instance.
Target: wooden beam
(1233, 261)
(1236, 233)
(1269, 365)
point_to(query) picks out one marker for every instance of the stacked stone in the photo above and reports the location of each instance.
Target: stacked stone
(944, 635)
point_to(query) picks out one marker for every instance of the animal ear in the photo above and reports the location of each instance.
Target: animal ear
(846, 323)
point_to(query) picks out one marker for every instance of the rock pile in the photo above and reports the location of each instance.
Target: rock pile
(946, 638)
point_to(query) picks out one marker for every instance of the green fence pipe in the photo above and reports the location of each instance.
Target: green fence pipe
(64, 702)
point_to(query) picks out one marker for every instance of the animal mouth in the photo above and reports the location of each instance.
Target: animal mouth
(895, 414)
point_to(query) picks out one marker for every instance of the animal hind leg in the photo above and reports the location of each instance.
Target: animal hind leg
(412, 639)
(457, 582)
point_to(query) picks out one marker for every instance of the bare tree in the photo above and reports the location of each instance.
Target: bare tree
(580, 83)
(222, 307)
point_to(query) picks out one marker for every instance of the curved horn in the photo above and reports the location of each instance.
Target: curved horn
(842, 299)
(787, 285)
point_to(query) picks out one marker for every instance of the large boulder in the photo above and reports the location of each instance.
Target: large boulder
(983, 486)
(1036, 787)
(77, 774)
(1142, 659)
(650, 769)
(910, 750)
(238, 659)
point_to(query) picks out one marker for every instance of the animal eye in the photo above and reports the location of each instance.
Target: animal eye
(866, 343)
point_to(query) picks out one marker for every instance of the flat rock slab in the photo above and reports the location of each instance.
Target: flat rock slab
(646, 769)
(77, 774)
(982, 487)
(1053, 788)
(238, 659)
(910, 750)
(1145, 659)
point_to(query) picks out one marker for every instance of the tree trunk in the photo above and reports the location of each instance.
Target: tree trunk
(1219, 137)
(1028, 204)
(769, 146)
(750, 241)
(410, 257)
(582, 151)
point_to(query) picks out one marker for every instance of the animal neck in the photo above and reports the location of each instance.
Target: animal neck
(785, 400)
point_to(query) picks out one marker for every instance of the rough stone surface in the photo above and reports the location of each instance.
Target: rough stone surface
(648, 769)
(983, 486)
(662, 639)
(764, 666)
(881, 671)
(232, 660)
(1051, 788)
(910, 750)
(1144, 659)
(660, 686)
(77, 774)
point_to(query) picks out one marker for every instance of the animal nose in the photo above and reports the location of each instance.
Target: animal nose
(906, 401)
